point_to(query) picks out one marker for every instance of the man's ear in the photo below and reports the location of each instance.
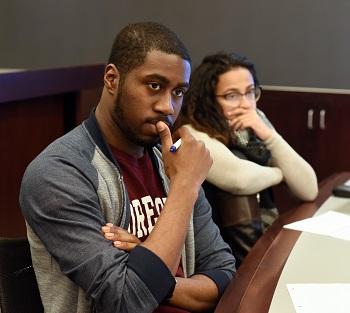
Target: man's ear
(111, 78)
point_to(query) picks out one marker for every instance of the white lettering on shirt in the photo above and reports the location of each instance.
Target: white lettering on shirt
(144, 215)
(140, 218)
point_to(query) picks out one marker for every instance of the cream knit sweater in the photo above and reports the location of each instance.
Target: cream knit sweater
(243, 177)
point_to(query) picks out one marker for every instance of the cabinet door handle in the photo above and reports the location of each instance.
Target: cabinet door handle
(323, 119)
(310, 119)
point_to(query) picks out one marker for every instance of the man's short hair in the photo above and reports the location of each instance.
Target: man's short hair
(134, 41)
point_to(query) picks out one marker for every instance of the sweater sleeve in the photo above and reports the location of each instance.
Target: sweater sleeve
(235, 175)
(297, 173)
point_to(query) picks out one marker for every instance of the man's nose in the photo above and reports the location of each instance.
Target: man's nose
(165, 105)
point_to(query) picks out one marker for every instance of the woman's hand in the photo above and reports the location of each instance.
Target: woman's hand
(120, 237)
(247, 117)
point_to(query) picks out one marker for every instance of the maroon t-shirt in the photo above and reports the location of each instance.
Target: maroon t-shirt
(146, 193)
(147, 198)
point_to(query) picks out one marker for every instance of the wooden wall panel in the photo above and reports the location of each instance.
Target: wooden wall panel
(26, 128)
(88, 99)
(325, 148)
(36, 107)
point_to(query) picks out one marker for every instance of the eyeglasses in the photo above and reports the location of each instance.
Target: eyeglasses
(235, 97)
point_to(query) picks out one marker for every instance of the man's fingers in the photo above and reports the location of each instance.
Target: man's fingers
(126, 246)
(120, 237)
(117, 233)
(110, 236)
(183, 132)
(164, 134)
(125, 237)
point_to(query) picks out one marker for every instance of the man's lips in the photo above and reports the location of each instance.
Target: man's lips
(165, 120)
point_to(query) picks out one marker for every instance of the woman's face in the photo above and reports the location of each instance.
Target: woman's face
(235, 88)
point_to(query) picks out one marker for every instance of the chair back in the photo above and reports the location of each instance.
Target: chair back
(18, 286)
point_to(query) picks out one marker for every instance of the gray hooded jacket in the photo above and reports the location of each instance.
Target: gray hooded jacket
(68, 193)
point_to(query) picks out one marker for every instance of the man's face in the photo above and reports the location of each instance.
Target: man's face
(150, 93)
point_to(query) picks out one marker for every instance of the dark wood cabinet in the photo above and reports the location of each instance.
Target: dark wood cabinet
(316, 125)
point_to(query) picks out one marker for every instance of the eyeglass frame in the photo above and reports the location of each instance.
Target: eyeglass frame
(257, 95)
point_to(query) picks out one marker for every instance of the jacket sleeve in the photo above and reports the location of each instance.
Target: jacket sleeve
(213, 256)
(60, 203)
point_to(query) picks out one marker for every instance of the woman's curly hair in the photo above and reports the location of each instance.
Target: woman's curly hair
(200, 107)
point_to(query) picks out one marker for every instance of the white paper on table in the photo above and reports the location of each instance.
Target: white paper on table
(347, 183)
(331, 223)
(320, 298)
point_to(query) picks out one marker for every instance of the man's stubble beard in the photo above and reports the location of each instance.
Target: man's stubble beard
(126, 129)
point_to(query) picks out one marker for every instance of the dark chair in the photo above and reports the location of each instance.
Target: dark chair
(18, 287)
(237, 217)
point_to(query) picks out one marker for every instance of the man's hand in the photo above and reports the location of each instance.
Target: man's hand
(197, 293)
(120, 237)
(191, 161)
(244, 117)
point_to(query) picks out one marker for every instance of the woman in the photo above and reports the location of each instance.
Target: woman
(249, 156)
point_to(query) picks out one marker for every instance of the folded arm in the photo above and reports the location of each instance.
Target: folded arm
(214, 262)
(197, 293)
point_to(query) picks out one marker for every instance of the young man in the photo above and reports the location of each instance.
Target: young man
(108, 170)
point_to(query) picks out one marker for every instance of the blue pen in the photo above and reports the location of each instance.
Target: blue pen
(175, 146)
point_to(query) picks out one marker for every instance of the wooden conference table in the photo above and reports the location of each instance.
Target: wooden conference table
(284, 256)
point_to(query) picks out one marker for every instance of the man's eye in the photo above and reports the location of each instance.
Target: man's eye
(179, 92)
(154, 86)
